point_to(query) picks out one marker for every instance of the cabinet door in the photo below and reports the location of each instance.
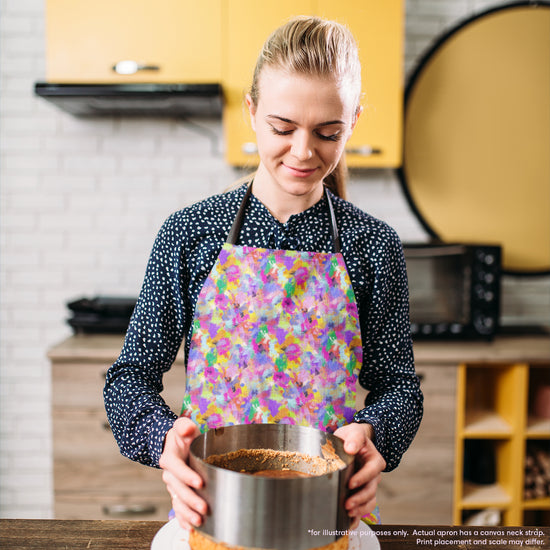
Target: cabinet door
(91, 479)
(378, 28)
(420, 490)
(86, 39)
(248, 23)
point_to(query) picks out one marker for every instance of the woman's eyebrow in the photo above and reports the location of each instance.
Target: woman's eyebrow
(331, 122)
(282, 119)
(289, 121)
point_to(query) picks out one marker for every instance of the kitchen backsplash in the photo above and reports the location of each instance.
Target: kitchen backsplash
(81, 202)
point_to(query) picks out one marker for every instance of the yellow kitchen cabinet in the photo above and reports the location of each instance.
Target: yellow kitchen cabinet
(174, 41)
(378, 29)
(496, 425)
(248, 23)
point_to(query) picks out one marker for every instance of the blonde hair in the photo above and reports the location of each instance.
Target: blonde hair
(309, 45)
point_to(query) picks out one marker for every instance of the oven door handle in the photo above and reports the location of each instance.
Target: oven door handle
(431, 251)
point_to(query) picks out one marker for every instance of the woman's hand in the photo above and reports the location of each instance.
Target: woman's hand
(364, 482)
(181, 481)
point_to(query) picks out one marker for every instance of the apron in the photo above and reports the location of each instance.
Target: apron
(275, 338)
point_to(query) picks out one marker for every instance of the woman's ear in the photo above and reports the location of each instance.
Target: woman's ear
(358, 111)
(251, 110)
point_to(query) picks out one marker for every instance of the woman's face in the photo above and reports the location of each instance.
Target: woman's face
(302, 124)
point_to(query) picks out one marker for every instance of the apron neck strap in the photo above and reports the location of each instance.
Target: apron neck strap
(233, 235)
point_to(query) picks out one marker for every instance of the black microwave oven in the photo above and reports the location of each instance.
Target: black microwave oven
(454, 290)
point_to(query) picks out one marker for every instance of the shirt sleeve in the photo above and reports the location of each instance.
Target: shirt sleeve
(394, 404)
(138, 416)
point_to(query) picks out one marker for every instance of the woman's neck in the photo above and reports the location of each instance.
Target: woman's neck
(283, 203)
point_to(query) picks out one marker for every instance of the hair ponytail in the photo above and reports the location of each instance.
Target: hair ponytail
(336, 181)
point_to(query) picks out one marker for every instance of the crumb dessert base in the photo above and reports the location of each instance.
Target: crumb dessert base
(253, 460)
(198, 541)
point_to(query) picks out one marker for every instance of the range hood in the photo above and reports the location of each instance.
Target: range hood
(158, 100)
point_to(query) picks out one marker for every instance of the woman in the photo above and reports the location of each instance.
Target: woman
(286, 293)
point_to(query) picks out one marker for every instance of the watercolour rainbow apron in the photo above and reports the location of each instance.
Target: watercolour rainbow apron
(275, 338)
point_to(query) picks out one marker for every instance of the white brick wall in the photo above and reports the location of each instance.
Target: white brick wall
(81, 202)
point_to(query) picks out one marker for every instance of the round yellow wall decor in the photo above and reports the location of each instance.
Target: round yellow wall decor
(476, 165)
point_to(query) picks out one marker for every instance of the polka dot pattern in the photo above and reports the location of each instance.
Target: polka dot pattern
(183, 254)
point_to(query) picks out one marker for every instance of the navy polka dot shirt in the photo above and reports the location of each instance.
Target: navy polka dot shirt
(183, 255)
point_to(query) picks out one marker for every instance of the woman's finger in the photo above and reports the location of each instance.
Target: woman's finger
(372, 464)
(174, 466)
(184, 492)
(363, 496)
(187, 504)
(361, 511)
(186, 516)
(176, 452)
(180, 479)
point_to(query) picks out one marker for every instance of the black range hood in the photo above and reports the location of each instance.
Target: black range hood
(172, 100)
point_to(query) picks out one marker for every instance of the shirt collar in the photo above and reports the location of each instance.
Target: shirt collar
(313, 213)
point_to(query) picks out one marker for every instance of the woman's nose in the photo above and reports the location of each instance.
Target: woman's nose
(301, 146)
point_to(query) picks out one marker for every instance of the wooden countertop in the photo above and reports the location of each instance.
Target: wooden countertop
(27, 534)
(520, 349)
(93, 347)
(531, 349)
(30, 534)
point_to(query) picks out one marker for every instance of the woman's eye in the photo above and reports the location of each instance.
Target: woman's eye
(280, 131)
(330, 137)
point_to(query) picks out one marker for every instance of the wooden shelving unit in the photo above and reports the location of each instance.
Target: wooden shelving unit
(495, 427)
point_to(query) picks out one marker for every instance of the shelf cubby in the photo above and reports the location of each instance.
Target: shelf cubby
(537, 421)
(481, 516)
(537, 516)
(490, 409)
(496, 428)
(536, 480)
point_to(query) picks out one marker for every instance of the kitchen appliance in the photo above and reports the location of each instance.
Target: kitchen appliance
(101, 314)
(263, 512)
(136, 99)
(454, 290)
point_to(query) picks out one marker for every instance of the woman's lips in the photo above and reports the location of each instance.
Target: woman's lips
(300, 172)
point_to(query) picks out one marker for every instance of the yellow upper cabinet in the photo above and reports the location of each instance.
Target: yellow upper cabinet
(170, 41)
(248, 23)
(378, 27)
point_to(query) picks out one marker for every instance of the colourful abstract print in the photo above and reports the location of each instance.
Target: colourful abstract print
(276, 338)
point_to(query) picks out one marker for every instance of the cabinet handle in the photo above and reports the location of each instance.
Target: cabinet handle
(364, 150)
(131, 67)
(249, 148)
(129, 509)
